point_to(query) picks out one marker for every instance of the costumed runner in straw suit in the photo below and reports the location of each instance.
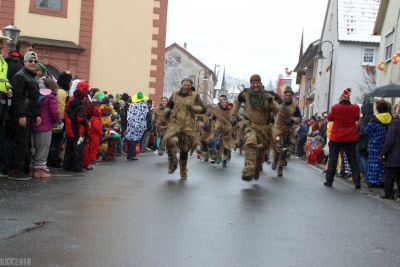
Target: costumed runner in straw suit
(206, 132)
(223, 130)
(181, 109)
(160, 122)
(289, 114)
(257, 110)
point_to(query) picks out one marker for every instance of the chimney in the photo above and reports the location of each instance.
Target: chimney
(185, 46)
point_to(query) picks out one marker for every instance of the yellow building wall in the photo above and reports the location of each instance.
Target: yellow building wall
(66, 29)
(122, 42)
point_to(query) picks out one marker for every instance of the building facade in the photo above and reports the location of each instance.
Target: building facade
(188, 66)
(116, 46)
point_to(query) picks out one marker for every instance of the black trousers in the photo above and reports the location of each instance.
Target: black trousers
(54, 159)
(73, 159)
(300, 147)
(391, 175)
(22, 141)
(350, 149)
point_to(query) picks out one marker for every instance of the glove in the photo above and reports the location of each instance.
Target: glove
(167, 114)
(289, 122)
(268, 97)
(60, 126)
(233, 120)
(189, 107)
(80, 141)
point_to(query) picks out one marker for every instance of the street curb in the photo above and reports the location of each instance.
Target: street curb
(373, 192)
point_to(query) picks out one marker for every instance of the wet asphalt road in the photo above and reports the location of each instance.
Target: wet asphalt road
(135, 214)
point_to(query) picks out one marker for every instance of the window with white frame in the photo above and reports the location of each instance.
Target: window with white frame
(369, 56)
(389, 38)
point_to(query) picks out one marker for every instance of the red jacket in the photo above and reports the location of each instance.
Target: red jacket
(344, 115)
(96, 123)
(75, 118)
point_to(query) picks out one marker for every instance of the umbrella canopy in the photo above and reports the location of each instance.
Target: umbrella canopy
(390, 90)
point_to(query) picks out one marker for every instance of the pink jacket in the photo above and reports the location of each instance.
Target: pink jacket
(49, 114)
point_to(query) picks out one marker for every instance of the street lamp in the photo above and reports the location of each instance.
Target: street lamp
(12, 32)
(321, 56)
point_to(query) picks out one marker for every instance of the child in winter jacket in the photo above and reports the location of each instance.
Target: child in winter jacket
(75, 125)
(114, 136)
(96, 133)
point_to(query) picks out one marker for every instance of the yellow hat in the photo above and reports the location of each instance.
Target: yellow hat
(139, 97)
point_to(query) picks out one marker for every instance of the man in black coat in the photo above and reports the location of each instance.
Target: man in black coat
(24, 111)
(390, 154)
(15, 59)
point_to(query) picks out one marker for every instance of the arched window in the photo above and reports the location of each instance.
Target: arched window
(52, 72)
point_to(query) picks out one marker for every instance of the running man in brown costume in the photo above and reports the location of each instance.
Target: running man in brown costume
(223, 130)
(289, 114)
(257, 110)
(181, 109)
(160, 122)
(206, 131)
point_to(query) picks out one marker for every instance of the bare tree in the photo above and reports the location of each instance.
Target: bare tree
(230, 81)
(173, 75)
(367, 85)
(271, 86)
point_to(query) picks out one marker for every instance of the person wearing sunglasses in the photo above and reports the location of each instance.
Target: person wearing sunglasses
(24, 112)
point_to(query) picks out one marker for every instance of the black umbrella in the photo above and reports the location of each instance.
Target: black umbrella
(390, 90)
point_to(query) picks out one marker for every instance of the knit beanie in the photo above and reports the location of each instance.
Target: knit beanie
(79, 94)
(346, 94)
(83, 86)
(255, 78)
(42, 68)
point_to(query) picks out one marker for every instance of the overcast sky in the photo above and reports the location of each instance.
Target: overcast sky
(247, 36)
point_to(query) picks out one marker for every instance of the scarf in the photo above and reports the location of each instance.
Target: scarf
(257, 99)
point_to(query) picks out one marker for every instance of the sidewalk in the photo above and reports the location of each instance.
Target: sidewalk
(374, 192)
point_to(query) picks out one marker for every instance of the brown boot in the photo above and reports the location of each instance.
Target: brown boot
(182, 165)
(206, 155)
(173, 164)
(280, 171)
(248, 173)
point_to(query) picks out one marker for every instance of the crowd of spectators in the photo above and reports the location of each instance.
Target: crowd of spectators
(377, 144)
(59, 122)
